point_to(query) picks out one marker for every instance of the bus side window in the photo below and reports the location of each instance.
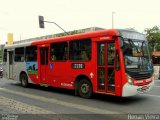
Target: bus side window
(58, 51)
(80, 50)
(31, 53)
(19, 54)
(5, 55)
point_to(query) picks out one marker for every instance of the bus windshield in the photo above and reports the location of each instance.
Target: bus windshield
(136, 55)
(135, 51)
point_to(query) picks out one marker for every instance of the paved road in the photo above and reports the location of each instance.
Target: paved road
(51, 103)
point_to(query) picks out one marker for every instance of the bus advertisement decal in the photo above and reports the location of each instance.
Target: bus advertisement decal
(32, 67)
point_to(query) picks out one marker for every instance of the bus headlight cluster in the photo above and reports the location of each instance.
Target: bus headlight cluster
(129, 80)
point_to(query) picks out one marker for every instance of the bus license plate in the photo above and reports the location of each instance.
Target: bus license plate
(143, 89)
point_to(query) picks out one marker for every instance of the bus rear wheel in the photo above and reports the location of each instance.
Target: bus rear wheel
(85, 88)
(24, 80)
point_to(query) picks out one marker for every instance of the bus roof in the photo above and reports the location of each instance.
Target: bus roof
(17, 45)
(108, 32)
(98, 33)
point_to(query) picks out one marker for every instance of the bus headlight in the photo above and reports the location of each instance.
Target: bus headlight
(129, 80)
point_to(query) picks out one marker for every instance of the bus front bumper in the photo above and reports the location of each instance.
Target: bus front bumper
(131, 90)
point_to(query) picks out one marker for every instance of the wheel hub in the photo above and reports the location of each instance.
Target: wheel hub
(85, 88)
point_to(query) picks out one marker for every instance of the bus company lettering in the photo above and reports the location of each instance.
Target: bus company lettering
(66, 84)
(138, 82)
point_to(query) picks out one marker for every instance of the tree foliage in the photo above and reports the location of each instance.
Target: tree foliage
(153, 37)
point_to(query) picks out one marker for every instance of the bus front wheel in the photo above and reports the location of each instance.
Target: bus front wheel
(85, 88)
(24, 80)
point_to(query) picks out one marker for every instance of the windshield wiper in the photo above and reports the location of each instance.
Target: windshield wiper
(138, 51)
(133, 45)
(142, 48)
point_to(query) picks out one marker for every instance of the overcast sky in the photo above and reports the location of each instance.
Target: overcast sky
(20, 17)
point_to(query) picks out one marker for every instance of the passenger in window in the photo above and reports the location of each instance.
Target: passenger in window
(22, 59)
(65, 56)
(27, 58)
(53, 56)
(84, 56)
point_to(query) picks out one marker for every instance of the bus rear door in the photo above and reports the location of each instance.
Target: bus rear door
(43, 64)
(10, 64)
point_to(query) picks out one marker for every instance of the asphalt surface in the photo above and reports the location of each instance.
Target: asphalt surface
(41, 103)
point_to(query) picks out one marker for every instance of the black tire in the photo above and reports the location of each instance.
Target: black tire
(85, 88)
(24, 80)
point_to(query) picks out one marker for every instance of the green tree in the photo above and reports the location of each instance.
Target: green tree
(153, 37)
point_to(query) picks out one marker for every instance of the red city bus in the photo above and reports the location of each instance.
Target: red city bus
(113, 62)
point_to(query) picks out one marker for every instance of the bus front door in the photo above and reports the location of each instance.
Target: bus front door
(43, 64)
(10, 64)
(106, 67)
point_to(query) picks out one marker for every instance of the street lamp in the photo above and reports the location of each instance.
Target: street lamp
(113, 19)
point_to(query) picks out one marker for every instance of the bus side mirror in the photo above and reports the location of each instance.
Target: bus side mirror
(41, 21)
(121, 40)
(121, 43)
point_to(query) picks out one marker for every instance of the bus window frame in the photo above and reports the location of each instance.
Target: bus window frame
(14, 55)
(5, 54)
(90, 39)
(67, 58)
(27, 54)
